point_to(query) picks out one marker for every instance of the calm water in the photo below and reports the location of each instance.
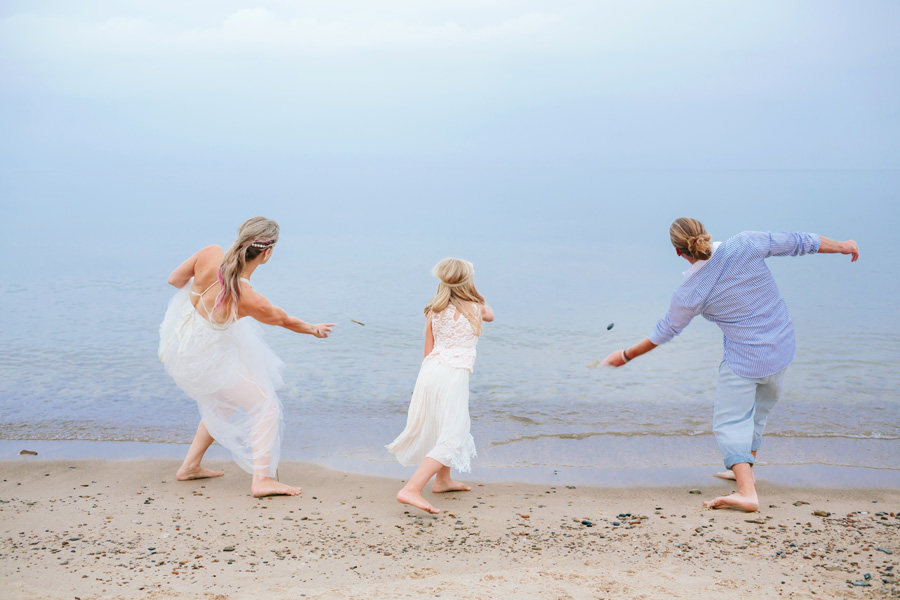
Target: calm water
(84, 290)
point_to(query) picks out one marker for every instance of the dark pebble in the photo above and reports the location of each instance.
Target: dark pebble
(610, 326)
(587, 523)
(616, 523)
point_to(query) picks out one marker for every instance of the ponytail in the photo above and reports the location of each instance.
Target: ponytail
(689, 237)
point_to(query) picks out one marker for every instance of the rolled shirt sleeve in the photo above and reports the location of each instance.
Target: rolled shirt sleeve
(784, 243)
(676, 319)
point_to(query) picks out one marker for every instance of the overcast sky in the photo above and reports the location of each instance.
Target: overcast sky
(607, 84)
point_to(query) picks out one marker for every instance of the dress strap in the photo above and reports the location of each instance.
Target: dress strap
(204, 291)
(247, 281)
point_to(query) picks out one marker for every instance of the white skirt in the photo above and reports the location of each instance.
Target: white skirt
(233, 375)
(438, 424)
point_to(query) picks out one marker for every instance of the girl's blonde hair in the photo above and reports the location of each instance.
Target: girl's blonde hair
(255, 236)
(689, 237)
(456, 287)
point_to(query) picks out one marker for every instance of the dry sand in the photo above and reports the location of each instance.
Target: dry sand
(127, 529)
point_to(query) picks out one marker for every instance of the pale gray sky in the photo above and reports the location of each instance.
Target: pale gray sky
(601, 84)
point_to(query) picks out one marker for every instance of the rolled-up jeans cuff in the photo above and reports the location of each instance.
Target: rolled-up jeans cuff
(736, 459)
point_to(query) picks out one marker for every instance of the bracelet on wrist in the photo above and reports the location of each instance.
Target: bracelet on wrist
(625, 356)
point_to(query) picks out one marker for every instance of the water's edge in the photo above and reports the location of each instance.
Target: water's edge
(807, 475)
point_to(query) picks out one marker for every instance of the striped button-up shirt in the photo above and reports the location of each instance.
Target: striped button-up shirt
(735, 290)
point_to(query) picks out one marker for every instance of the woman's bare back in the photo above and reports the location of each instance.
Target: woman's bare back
(205, 286)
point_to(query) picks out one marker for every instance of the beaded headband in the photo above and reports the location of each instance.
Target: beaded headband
(263, 244)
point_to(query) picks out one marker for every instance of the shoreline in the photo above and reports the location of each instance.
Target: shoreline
(810, 475)
(93, 529)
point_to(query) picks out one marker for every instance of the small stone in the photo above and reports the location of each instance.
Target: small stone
(587, 523)
(694, 492)
(610, 326)
(821, 513)
(28, 452)
(616, 523)
(861, 584)
(800, 503)
(885, 550)
(228, 549)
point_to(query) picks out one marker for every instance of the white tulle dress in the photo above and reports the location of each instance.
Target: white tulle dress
(232, 374)
(438, 423)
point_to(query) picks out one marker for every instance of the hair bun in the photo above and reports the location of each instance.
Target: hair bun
(700, 246)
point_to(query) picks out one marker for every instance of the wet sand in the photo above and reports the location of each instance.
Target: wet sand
(127, 529)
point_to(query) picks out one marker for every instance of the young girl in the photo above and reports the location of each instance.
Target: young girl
(437, 429)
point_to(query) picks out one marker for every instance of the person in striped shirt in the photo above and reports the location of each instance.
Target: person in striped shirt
(729, 284)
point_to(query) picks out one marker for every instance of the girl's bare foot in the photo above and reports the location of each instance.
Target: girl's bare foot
(729, 475)
(266, 486)
(440, 487)
(186, 474)
(749, 503)
(413, 498)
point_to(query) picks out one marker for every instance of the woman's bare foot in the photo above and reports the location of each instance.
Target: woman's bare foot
(440, 487)
(749, 503)
(413, 498)
(266, 486)
(186, 474)
(728, 475)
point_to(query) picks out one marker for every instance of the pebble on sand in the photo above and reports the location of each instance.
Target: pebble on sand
(28, 453)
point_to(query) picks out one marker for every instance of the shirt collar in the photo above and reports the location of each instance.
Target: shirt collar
(699, 264)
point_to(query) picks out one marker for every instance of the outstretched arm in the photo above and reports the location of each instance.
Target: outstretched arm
(828, 246)
(620, 357)
(257, 306)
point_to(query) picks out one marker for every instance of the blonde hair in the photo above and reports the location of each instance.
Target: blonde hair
(689, 237)
(255, 236)
(456, 287)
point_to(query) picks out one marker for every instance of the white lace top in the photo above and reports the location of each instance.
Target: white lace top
(454, 340)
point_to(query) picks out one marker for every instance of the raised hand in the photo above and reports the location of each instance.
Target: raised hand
(615, 359)
(322, 330)
(850, 247)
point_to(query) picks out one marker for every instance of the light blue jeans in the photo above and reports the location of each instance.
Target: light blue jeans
(742, 406)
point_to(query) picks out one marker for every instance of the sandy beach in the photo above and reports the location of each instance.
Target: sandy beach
(127, 529)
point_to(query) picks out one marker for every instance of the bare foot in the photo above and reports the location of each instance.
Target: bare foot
(440, 487)
(729, 475)
(736, 500)
(415, 499)
(184, 474)
(269, 487)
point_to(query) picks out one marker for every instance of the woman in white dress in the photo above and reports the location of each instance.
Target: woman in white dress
(220, 359)
(437, 428)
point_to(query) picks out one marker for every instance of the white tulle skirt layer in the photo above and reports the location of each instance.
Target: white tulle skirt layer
(233, 376)
(438, 424)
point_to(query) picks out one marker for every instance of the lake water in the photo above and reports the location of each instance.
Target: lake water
(559, 254)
